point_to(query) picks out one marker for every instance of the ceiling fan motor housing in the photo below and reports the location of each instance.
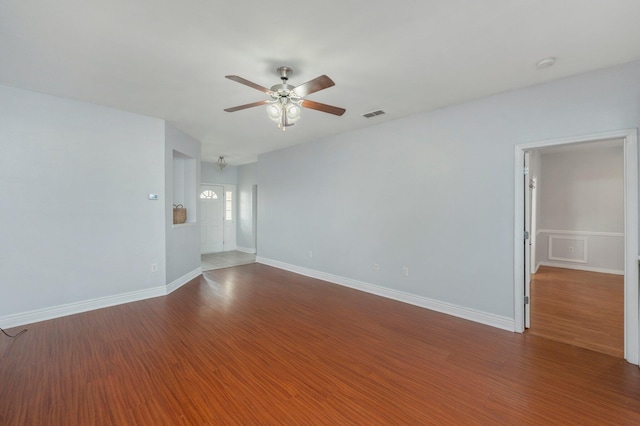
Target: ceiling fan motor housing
(285, 72)
(282, 90)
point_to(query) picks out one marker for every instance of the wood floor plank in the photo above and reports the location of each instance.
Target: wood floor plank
(582, 308)
(257, 345)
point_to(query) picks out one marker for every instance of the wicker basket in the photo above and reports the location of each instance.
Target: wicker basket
(179, 214)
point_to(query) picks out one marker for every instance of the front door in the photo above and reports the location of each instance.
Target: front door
(212, 218)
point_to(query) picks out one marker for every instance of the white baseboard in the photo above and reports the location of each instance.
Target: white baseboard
(246, 250)
(37, 315)
(79, 307)
(176, 284)
(486, 318)
(581, 268)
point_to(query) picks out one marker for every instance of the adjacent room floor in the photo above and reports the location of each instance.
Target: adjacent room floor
(226, 259)
(584, 309)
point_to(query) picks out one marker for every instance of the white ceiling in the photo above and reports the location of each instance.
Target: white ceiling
(168, 59)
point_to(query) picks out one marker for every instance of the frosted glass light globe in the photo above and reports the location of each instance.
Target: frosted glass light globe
(274, 112)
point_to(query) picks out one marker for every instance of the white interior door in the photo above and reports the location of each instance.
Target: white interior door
(533, 183)
(527, 242)
(212, 218)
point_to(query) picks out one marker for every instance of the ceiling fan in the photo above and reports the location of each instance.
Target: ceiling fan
(287, 101)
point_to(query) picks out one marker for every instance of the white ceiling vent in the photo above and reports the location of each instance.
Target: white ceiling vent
(373, 113)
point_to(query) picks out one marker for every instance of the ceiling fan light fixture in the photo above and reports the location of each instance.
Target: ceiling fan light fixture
(287, 101)
(294, 112)
(274, 111)
(284, 112)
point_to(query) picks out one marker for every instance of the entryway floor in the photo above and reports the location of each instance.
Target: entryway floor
(225, 259)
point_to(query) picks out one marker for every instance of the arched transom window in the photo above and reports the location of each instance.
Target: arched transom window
(209, 194)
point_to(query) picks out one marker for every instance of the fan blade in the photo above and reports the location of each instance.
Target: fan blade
(238, 108)
(323, 107)
(313, 86)
(249, 83)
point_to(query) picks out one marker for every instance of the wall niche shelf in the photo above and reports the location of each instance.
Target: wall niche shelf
(184, 182)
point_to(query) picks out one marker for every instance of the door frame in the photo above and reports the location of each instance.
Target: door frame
(631, 301)
(526, 176)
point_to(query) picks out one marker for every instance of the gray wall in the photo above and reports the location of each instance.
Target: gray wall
(582, 190)
(582, 208)
(182, 241)
(247, 179)
(433, 192)
(211, 173)
(75, 220)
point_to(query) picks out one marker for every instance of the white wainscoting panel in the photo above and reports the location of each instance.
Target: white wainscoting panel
(568, 248)
(582, 250)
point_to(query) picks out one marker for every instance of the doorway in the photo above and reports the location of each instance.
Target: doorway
(630, 234)
(212, 218)
(575, 273)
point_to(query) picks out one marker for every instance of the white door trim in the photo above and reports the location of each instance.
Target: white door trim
(526, 178)
(631, 301)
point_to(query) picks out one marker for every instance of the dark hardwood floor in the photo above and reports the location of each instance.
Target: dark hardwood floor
(256, 345)
(582, 308)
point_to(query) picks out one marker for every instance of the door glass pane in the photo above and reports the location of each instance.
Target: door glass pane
(209, 194)
(228, 205)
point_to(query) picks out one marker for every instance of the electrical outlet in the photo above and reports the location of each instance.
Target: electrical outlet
(570, 249)
(405, 271)
(154, 267)
(310, 253)
(376, 267)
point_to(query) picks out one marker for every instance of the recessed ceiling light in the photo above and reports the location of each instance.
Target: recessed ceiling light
(545, 63)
